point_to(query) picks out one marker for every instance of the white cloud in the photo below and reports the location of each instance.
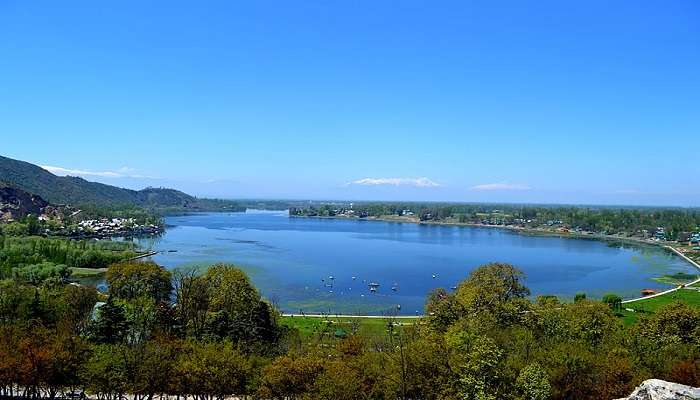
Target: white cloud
(416, 182)
(501, 186)
(123, 172)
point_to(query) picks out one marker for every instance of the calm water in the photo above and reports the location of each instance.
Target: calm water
(291, 259)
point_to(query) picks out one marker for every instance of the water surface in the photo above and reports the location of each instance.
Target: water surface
(291, 260)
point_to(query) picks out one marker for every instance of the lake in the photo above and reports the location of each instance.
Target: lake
(291, 260)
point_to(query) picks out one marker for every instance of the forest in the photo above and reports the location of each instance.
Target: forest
(52, 257)
(211, 335)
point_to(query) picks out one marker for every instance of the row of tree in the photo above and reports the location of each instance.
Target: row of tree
(39, 253)
(29, 252)
(594, 219)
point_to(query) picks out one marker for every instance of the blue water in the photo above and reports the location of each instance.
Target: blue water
(291, 259)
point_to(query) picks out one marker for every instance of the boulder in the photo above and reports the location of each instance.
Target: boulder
(656, 389)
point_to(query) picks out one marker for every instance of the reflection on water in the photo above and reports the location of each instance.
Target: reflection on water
(291, 260)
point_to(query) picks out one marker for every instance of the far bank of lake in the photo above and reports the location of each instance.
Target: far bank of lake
(321, 265)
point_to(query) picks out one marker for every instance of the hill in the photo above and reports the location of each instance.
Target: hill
(16, 203)
(78, 191)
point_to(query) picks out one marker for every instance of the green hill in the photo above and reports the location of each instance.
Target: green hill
(77, 191)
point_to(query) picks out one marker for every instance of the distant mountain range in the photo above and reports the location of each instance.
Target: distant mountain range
(77, 191)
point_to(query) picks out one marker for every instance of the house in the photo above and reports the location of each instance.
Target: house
(694, 238)
(683, 237)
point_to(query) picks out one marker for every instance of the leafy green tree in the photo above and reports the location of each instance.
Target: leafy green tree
(533, 383)
(131, 280)
(236, 307)
(110, 324)
(443, 309)
(33, 224)
(613, 300)
(289, 377)
(192, 302)
(35, 274)
(477, 362)
(213, 370)
(590, 321)
(15, 298)
(79, 302)
(674, 323)
(106, 371)
(494, 291)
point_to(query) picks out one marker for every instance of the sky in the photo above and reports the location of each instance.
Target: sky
(588, 102)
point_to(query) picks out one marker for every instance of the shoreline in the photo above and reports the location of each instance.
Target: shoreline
(516, 229)
(681, 255)
(319, 315)
(541, 232)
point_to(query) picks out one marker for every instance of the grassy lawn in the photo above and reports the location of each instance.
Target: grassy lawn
(646, 306)
(87, 272)
(370, 327)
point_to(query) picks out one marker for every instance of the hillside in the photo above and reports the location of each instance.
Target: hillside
(78, 191)
(16, 203)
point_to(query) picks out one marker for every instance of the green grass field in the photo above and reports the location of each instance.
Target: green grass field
(310, 327)
(87, 272)
(649, 306)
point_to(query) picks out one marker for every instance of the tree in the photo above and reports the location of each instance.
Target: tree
(495, 291)
(80, 301)
(289, 377)
(153, 368)
(213, 370)
(613, 300)
(673, 323)
(476, 361)
(589, 321)
(236, 308)
(110, 324)
(131, 280)
(533, 383)
(10, 358)
(105, 372)
(33, 224)
(192, 302)
(442, 309)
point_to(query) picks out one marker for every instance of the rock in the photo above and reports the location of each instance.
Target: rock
(16, 203)
(656, 389)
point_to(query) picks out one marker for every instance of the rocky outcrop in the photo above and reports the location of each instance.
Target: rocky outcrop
(656, 389)
(16, 203)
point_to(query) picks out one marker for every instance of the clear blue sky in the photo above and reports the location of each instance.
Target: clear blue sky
(539, 101)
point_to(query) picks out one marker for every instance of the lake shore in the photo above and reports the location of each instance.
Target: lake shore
(512, 228)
